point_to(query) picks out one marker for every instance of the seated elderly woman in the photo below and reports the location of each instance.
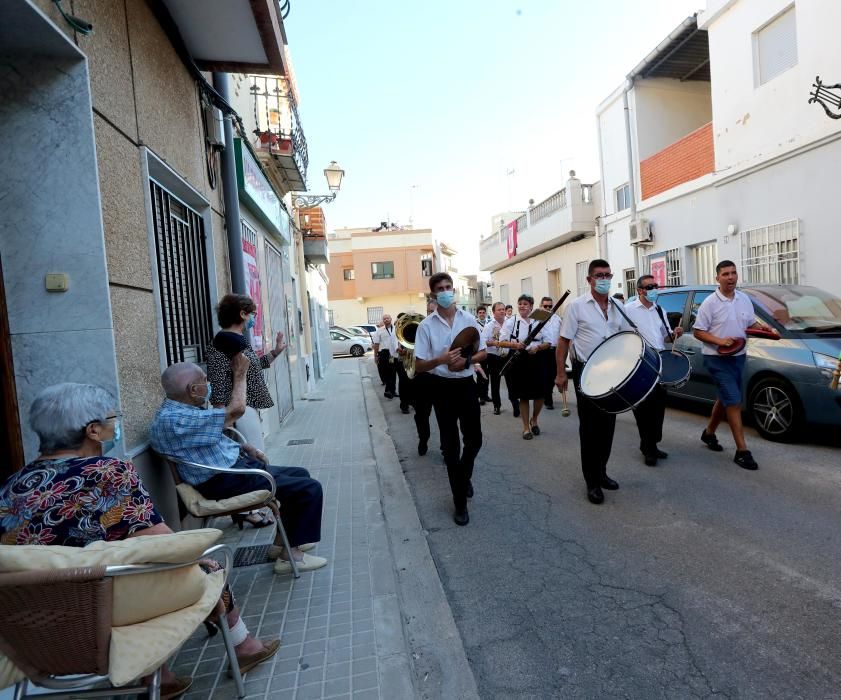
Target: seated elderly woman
(72, 495)
(186, 427)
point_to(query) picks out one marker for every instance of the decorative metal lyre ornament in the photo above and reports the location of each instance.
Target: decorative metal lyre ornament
(826, 98)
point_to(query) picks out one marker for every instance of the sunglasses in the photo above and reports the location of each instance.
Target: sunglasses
(649, 287)
(547, 306)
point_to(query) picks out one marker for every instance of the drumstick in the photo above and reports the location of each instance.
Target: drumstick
(565, 411)
(675, 351)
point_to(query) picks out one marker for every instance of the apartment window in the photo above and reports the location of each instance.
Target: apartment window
(426, 265)
(382, 270)
(771, 254)
(630, 276)
(581, 284)
(349, 273)
(775, 47)
(526, 286)
(330, 317)
(705, 258)
(673, 270)
(504, 294)
(623, 197)
(182, 277)
(375, 314)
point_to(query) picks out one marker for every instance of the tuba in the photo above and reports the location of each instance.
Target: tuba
(405, 331)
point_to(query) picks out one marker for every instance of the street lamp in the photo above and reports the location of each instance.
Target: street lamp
(334, 175)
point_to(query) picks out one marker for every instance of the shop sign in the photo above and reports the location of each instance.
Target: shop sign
(256, 190)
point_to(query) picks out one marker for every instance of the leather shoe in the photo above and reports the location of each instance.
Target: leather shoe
(461, 517)
(745, 460)
(656, 453)
(422, 448)
(246, 663)
(549, 406)
(650, 460)
(404, 409)
(660, 454)
(388, 395)
(595, 495)
(496, 410)
(516, 411)
(711, 441)
(608, 483)
(469, 489)
(176, 687)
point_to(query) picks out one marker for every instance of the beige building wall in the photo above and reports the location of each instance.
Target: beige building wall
(350, 312)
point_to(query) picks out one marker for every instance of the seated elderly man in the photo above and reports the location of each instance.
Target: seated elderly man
(187, 428)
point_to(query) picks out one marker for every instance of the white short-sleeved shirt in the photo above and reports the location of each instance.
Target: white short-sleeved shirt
(649, 322)
(586, 327)
(493, 331)
(552, 330)
(435, 336)
(386, 339)
(725, 317)
(518, 328)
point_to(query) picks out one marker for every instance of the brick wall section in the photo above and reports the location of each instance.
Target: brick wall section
(685, 160)
(316, 220)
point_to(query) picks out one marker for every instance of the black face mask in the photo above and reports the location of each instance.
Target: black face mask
(229, 343)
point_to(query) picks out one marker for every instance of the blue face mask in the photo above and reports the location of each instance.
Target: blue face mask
(249, 324)
(652, 295)
(108, 445)
(446, 299)
(602, 286)
(208, 395)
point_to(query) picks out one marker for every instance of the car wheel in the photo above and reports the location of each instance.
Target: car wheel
(357, 350)
(775, 409)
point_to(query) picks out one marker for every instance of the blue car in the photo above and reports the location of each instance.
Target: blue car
(789, 368)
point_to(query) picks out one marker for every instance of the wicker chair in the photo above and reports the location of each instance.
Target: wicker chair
(57, 628)
(205, 509)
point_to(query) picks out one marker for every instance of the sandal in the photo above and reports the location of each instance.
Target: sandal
(535, 429)
(527, 435)
(256, 520)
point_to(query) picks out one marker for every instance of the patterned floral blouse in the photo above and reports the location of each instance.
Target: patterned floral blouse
(220, 376)
(74, 502)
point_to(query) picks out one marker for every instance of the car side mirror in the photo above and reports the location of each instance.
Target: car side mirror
(767, 333)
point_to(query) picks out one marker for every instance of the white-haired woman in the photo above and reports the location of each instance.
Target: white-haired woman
(72, 495)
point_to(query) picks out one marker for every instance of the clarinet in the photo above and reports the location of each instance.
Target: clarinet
(531, 336)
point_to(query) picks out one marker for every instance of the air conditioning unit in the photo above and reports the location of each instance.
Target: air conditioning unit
(641, 232)
(215, 123)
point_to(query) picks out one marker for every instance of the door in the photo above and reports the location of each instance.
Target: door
(279, 321)
(11, 444)
(700, 385)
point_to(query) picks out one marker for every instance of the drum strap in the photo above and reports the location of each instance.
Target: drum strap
(619, 309)
(665, 323)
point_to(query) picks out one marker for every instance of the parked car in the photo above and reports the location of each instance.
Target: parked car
(346, 344)
(369, 328)
(786, 380)
(349, 330)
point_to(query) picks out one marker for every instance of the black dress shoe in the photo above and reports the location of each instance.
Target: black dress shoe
(388, 395)
(422, 448)
(650, 460)
(550, 406)
(496, 410)
(608, 483)
(461, 517)
(404, 409)
(745, 460)
(660, 454)
(482, 402)
(711, 441)
(595, 495)
(470, 489)
(516, 411)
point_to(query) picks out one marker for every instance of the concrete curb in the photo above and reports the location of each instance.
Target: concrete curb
(438, 661)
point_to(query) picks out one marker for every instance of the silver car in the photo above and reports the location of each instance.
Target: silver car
(787, 375)
(346, 344)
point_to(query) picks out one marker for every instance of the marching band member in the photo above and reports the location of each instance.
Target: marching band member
(385, 355)
(482, 377)
(527, 370)
(653, 326)
(590, 319)
(455, 397)
(422, 394)
(496, 354)
(551, 332)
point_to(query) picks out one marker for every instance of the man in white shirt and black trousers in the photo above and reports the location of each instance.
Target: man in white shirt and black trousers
(589, 320)
(655, 328)
(385, 355)
(455, 397)
(551, 332)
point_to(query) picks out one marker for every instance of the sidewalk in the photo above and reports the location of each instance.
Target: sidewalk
(374, 623)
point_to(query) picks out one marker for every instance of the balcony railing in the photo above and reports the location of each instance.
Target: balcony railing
(279, 131)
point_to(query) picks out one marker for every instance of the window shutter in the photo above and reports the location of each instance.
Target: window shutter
(776, 46)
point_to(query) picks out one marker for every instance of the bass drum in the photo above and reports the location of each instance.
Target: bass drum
(621, 372)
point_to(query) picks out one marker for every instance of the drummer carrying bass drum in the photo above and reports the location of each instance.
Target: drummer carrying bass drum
(589, 320)
(654, 327)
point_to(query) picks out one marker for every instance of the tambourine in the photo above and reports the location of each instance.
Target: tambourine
(467, 341)
(736, 346)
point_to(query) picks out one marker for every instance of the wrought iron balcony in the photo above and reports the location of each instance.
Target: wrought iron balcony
(278, 133)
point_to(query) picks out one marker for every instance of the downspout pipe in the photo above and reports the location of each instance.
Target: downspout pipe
(231, 195)
(629, 85)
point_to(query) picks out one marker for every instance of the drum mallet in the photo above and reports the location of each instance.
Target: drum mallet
(565, 410)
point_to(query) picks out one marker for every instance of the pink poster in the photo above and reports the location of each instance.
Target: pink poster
(512, 239)
(252, 279)
(658, 270)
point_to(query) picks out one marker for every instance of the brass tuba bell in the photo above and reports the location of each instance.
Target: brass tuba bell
(405, 331)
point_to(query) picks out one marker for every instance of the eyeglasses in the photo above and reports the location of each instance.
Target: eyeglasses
(603, 276)
(113, 416)
(649, 287)
(547, 306)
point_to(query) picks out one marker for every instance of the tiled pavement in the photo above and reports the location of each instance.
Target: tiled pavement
(340, 626)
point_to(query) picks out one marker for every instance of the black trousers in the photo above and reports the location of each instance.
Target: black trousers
(387, 371)
(551, 369)
(650, 414)
(456, 404)
(481, 382)
(403, 384)
(494, 366)
(422, 397)
(595, 433)
(300, 495)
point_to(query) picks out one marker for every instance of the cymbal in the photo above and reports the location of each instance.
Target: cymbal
(540, 315)
(467, 341)
(733, 348)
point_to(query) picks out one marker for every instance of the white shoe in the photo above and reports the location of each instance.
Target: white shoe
(308, 563)
(307, 547)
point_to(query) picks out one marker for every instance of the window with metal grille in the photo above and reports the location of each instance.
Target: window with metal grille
(581, 284)
(375, 314)
(426, 265)
(673, 269)
(330, 317)
(382, 270)
(705, 257)
(630, 276)
(775, 47)
(182, 277)
(771, 254)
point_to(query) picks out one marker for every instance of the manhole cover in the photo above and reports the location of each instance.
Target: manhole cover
(304, 441)
(249, 556)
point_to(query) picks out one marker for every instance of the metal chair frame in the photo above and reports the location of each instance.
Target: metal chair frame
(70, 687)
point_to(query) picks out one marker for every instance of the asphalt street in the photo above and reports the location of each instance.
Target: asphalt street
(695, 579)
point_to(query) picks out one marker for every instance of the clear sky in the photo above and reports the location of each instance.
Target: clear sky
(429, 105)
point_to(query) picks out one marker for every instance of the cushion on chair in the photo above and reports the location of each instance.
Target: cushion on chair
(141, 596)
(203, 507)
